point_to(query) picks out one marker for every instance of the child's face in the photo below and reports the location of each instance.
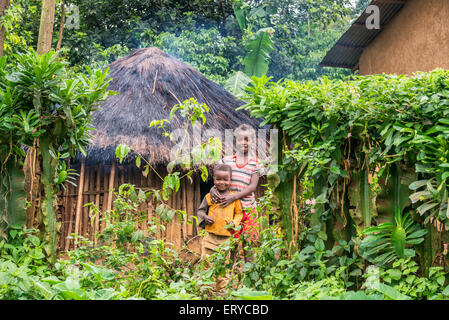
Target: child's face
(242, 143)
(222, 180)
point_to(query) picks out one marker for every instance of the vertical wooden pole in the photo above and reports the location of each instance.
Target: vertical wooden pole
(163, 233)
(111, 186)
(97, 202)
(184, 207)
(190, 206)
(79, 201)
(198, 199)
(122, 173)
(85, 219)
(105, 198)
(116, 182)
(70, 217)
(176, 224)
(140, 181)
(168, 233)
(152, 182)
(89, 190)
(65, 216)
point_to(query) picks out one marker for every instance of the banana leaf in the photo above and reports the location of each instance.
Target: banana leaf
(240, 15)
(259, 48)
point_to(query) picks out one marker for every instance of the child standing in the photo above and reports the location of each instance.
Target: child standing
(246, 170)
(216, 217)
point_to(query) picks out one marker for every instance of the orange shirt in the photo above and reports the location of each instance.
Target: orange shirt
(232, 212)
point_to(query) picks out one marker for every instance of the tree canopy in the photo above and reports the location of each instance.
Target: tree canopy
(211, 35)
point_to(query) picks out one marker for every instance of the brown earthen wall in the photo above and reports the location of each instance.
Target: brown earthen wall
(417, 39)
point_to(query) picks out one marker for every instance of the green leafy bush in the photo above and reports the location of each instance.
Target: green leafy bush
(367, 149)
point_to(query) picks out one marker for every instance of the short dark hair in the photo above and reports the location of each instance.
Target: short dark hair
(223, 167)
(245, 128)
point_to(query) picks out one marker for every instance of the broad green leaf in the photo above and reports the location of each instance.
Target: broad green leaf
(417, 184)
(426, 207)
(390, 292)
(122, 151)
(258, 47)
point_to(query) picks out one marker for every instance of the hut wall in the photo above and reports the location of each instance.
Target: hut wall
(417, 39)
(96, 184)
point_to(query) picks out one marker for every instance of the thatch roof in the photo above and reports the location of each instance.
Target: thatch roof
(150, 83)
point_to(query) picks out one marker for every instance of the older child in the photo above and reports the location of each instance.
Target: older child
(216, 217)
(246, 170)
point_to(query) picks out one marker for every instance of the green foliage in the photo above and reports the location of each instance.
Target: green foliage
(274, 271)
(21, 264)
(387, 242)
(258, 53)
(325, 289)
(21, 29)
(355, 138)
(248, 294)
(125, 266)
(42, 103)
(210, 35)
(303, 32)
(41, 86)
(121, 152)
(402, 281)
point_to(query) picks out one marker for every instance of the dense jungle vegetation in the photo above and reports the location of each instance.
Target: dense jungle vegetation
(211, 35)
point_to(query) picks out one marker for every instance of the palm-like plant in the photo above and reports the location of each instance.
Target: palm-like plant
(389, 241)
(42, 103)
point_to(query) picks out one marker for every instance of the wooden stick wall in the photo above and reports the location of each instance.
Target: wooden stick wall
(97, 184)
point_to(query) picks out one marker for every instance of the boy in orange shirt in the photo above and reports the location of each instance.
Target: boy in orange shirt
(215, 217)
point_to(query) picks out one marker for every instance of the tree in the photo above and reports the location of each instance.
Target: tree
(4, 5)
(46, 26)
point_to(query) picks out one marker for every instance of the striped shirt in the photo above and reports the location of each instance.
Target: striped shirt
(241, 177)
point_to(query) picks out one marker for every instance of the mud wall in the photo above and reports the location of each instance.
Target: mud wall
(417, 39)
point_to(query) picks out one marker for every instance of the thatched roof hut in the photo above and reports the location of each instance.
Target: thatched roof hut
(149, 82)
